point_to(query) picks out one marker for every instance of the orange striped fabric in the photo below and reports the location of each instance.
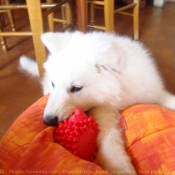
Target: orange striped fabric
(28, 147)
(150, 136)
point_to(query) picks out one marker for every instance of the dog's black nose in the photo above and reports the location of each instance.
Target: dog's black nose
(50, 120)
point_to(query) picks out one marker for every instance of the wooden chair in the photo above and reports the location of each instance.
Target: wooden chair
(67, 17)
(109, 12)
(34, 8)
(2, 23)
(10, 15)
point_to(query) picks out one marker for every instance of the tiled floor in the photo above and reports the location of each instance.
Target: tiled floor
(18, 91)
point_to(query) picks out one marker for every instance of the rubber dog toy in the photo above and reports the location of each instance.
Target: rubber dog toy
(78, 134)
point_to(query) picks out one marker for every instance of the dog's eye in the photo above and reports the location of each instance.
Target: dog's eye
(53, 85)
(76, 88)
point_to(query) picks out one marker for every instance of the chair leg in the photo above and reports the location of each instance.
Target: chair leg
(63, 15)
(3, 43)
(11, 18)
(92, 14)
(69, 15)
(109, 15)
(136, 20)
(36, 23)
(50, 18)
(81, 6)
(2, 20)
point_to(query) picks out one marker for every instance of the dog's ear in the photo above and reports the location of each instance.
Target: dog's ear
(113, 59)
(55, 41)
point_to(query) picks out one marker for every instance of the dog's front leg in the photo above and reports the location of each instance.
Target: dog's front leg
(111, 155)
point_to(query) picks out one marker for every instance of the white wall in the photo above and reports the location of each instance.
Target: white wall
(160, 3)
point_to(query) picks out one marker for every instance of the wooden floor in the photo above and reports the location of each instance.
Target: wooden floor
(18, 91)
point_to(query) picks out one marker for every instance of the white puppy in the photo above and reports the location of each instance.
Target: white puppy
(101, 74)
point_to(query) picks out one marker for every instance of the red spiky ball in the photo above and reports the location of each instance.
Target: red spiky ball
(78, 134)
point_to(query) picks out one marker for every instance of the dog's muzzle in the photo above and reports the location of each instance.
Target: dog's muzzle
(50, 120)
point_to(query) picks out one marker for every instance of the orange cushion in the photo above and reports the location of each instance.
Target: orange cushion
(150, 135)
(28, 146)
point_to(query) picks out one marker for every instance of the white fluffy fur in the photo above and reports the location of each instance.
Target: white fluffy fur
(28, 65)
(114, 72)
